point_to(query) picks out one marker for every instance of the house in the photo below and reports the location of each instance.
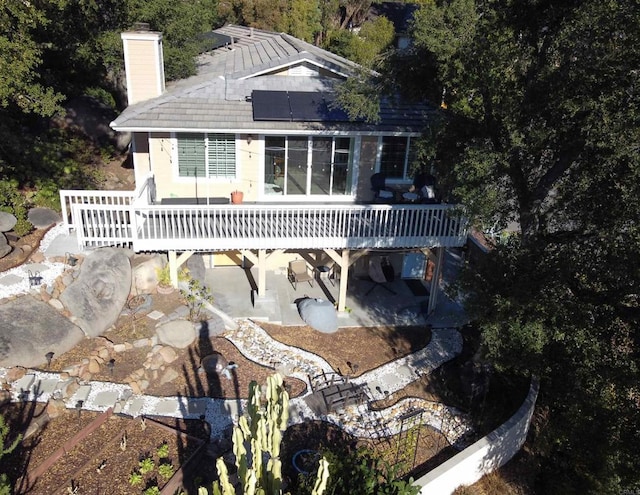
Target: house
(259, 119)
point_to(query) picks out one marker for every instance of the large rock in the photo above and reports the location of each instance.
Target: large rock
(145, 276)
(41, 218)
(318, 314)
(97, 296)
(7, 221)
(4, 246)
(177, 333)
(195, 265)
(29, 329)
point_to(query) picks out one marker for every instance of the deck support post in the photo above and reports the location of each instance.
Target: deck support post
(261, 262)
(344, 277)
(435, 279)
(176, 262)
(343, 261)
(262, 272)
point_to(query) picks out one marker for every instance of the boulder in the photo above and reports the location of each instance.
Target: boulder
(41, 218)
(32, 328)
(318, 314)
(97, 296)
(195, 265)
(7, 221)
(177, 333)
(145, 277)
(4, 246)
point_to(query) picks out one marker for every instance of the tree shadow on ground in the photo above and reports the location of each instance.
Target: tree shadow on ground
(19, 417)
(205, 383)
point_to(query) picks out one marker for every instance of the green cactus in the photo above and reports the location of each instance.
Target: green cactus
(260, 431)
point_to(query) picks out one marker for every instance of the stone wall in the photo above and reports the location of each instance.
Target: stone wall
(485, 455)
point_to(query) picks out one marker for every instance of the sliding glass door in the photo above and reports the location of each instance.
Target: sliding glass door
(308, 165)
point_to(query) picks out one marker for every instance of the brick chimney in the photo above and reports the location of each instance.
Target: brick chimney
(143, 63)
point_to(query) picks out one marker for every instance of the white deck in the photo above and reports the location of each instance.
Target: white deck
(259, 226)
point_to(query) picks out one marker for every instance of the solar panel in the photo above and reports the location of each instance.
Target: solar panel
(296, 106)
(307, 107)
(211, 41)
(271, 105)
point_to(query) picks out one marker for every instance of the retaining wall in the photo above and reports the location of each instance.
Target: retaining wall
(485, 455)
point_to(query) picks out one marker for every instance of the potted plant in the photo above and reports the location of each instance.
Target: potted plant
(236, 197)
(164, 279)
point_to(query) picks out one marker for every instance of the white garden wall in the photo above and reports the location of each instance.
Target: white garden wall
(484, 456)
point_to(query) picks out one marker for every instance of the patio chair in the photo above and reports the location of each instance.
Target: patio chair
(380, 193)
(381, 273)
(298, 271)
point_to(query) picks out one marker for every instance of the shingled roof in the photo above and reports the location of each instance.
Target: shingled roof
(243, 60)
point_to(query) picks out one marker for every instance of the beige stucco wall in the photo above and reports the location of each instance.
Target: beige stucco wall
(169, 185)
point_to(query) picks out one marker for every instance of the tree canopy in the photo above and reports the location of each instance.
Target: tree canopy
(541, 128)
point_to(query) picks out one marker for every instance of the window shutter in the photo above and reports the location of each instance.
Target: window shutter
(191, 152)
(221, 153)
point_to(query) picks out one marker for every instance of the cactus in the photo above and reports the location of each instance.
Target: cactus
(256, 445)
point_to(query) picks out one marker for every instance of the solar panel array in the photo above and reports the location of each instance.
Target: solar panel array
(296, 106)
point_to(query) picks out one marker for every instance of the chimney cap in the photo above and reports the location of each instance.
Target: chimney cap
(141, 26)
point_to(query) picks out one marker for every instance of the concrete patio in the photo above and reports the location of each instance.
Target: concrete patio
(234, 292)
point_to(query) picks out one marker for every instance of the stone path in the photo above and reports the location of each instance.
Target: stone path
(258, 346)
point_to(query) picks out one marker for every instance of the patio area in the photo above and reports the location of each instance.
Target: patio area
(233, 289)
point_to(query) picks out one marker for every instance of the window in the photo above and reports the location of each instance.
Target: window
(206, 155)
(308, 165)
(395, 157)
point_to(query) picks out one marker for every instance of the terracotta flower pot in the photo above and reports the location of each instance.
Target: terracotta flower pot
(236, 197)
(165, 289)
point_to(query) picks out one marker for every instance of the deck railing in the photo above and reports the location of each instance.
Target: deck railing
(69, 198)
(268, 226)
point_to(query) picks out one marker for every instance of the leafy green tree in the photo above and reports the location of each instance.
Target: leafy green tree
(22, 84)
(368, 45)
(304, 19)
(541, 128)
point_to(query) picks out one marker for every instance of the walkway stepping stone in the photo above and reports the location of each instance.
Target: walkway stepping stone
(135, 406)
(155, 314)
(46, 386)
(106, 399)
(196, 407)
(82, 393)
(25, 382)
(10, 279)
(42, 218)
(167, 406)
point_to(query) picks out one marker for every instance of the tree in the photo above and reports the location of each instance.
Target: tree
(304, 19)
(368, 45)
(21, 83)
(541, 127)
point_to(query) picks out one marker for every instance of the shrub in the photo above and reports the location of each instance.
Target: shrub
(135, 478)
(146, 465)
(162, 451)
(165, 470)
